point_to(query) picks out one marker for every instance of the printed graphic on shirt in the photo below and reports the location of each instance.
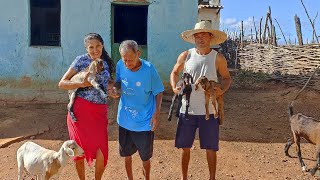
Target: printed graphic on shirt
(133, 112)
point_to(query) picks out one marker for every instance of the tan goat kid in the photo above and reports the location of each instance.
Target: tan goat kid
(209, 92)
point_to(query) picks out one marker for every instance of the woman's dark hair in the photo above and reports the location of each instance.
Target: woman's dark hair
(105, 56)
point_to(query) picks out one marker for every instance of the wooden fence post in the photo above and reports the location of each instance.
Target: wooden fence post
(274, 36)
(285, 40)
(272, 29)
(298, 29)
(312, 24)
(255, 28)
(265, 29)
(260, 29)
(241, 34)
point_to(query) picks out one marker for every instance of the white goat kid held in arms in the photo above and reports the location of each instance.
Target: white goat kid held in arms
(45, 163)
(95, 67)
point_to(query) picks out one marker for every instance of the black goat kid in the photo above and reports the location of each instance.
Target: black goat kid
(185, 83)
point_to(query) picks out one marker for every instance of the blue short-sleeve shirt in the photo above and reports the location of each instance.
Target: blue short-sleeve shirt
(89, 93)
(139, 89)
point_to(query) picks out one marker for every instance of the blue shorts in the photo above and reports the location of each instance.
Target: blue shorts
(130, 142)
(208, 132)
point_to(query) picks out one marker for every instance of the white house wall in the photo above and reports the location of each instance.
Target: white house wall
(19, 61)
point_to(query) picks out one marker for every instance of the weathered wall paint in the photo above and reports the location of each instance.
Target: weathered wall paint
(18, 59)
(210, 14)
(166, 20)
(165, 26)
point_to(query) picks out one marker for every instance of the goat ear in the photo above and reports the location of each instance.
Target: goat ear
(196, 85)
(69, 151)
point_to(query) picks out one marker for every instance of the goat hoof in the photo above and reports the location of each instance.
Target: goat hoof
(304, 169)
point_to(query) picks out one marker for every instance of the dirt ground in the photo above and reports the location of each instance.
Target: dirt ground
(252, 139)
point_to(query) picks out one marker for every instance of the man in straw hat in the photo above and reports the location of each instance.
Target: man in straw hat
(200, 61)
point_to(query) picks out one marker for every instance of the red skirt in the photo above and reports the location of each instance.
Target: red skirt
(91, 129)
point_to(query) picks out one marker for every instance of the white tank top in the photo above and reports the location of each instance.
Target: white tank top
(199, 65)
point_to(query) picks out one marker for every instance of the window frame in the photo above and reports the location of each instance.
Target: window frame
(44, 34)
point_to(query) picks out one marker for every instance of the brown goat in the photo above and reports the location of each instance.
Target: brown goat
(309, 129)
(209, 92)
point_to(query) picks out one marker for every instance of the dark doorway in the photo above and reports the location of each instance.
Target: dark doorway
(129, 22)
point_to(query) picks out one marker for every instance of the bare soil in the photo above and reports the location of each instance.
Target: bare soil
(252, 139)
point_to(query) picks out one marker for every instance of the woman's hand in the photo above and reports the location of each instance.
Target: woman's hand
(114, 92)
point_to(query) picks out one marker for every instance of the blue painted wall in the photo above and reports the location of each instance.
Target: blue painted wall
(166, 20)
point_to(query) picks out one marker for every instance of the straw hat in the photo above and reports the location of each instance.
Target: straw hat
(204, 26)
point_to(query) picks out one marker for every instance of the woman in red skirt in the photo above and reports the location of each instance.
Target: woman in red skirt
(90, 130)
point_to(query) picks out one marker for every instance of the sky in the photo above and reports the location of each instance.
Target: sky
(235, 11)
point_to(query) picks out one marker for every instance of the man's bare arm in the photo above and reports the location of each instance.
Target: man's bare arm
(177, 69)
(222, 69)
(67, 84)
(155, 118)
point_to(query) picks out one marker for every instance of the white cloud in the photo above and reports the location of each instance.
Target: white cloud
(234, 25)
(229, 21)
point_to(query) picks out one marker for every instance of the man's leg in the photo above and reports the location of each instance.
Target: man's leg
(127, 149)
(209, 140)
(144, 143)
(146, 169)
(80, 169)
(212, 163)
(128, 165)
(185, 162)
(99, 165)
(185, 135)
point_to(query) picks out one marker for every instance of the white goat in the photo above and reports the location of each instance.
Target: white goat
(45, 163)
(95, 67)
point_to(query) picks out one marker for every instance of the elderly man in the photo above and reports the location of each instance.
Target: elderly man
(200, 61)
(139, 106)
